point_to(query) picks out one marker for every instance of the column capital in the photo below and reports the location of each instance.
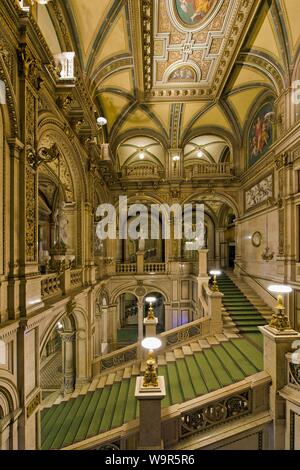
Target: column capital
(68, 336)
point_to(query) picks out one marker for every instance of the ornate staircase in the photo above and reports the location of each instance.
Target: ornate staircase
(198, 367)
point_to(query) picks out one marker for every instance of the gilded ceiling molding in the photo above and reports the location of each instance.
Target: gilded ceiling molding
(171, 46)
(104, 29)
(109, 67)
(176, 114)
(279, 24)
(266, 65)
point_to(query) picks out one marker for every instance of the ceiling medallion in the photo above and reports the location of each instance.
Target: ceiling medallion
(192, 14)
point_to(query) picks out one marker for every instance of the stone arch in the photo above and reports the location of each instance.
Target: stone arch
(226, 198)
(9, 405)
(72, 175)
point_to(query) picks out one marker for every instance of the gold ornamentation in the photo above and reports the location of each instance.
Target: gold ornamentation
(279, 320)
(150, 376)
(43, 155)
(151, 315)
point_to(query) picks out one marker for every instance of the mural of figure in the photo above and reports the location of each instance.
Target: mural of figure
(193, 11)
(261, 134)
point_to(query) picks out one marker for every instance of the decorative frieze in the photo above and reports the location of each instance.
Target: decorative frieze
(259, 193)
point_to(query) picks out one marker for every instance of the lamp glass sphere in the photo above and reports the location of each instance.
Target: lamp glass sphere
(151, 343)
(280, 289)
(150, 300)
(215, 272)
(101, 121)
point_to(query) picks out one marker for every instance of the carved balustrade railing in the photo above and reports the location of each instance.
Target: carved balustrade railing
(126, 268)
(50, 285)
(76, 278)
(114, 359)
(141, 171)
(155, 267)
(202, 170)
(293, 371)
(183, 333)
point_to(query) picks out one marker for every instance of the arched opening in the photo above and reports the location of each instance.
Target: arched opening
(127, 332)
(51, 375)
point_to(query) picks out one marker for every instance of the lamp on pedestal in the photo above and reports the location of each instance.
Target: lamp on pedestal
(151, 315)
(150, 379)
(215, 273)
(279, 320)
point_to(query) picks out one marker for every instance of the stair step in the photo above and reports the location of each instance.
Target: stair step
(119, 375)
(93, 385)
(221, 338)
(127, 372)
(161, 360)
(170, 356)
(111, 378)
(187, 351)
(195, 347)
(212, 340)
(101, 383)
(203, 343)
(84, 389)
(178, 353)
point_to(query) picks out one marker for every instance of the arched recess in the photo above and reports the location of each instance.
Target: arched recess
(64, 351)
(233, 142)
(70, 189)
(9, 406)
(100, 345)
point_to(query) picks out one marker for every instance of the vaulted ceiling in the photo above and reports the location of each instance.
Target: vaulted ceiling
(176, 69)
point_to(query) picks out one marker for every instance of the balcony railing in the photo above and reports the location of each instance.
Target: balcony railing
(202, 170)
(50, 285)
(76, 278)
(126, 268)
(155, 267)
(141, 171)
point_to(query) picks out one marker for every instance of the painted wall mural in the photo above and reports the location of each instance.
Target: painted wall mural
(192, 12)
(183, 74)
(261, 192)
(261, 134)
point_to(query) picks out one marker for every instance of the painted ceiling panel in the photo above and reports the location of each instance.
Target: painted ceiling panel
(266, 39)
(244, 75)
(121, 80)
(139, 120)
(189, 111)
(291, 9)
(113, 105)
(162, 111)
(243, 101)
(89, 16)
(116, 41)
(213, 117)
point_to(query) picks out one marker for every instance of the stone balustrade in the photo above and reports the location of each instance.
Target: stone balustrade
(202, 170)
(50, 285)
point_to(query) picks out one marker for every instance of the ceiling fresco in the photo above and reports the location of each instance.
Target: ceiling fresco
(176, 70)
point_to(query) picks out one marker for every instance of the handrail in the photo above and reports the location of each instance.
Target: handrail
(169, 338)
(255, 280)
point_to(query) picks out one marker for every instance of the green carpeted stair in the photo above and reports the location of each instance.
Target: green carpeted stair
(243, 314)
(187, 377)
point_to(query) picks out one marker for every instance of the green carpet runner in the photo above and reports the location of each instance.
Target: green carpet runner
(187, 378)
(245, 316)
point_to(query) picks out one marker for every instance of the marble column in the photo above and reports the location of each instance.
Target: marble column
(68, 338)
(140, 321)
